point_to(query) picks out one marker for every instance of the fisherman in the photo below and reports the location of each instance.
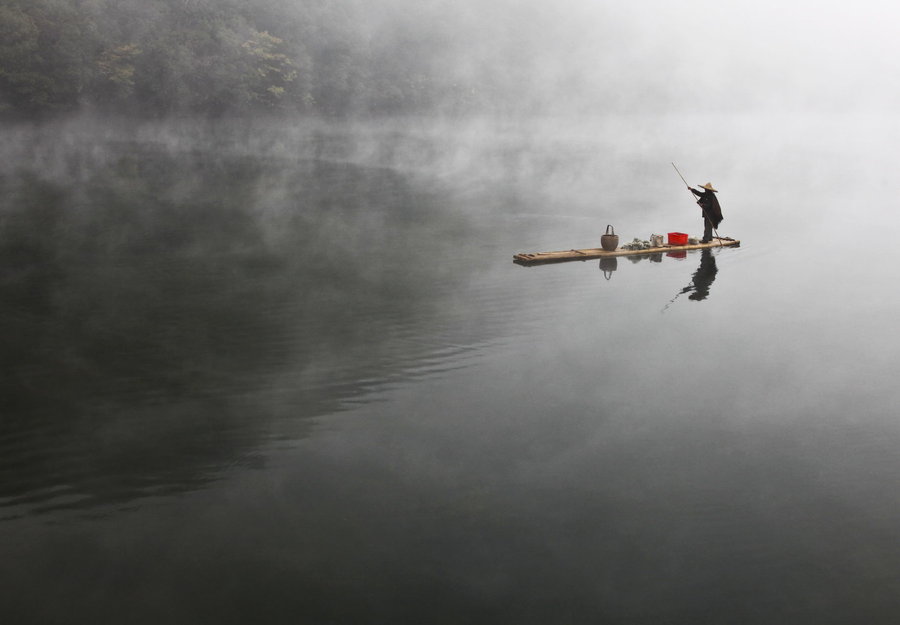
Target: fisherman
(709, 204)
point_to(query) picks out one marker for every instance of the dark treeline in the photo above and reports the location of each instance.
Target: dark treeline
(211, 57)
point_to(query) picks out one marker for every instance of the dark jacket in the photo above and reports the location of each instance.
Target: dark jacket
(709, 203)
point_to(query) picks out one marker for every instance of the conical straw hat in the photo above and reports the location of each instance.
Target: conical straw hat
(709, 187)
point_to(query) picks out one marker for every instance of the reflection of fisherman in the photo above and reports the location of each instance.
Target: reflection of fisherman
(712, 212)
(703, 277)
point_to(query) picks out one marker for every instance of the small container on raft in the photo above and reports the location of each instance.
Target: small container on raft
(610, 240)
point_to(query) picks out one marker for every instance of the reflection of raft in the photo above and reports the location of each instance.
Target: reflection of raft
(538, 258)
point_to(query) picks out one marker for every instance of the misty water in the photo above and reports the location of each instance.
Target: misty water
(289, 373)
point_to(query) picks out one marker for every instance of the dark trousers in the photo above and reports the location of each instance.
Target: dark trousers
(707, 230)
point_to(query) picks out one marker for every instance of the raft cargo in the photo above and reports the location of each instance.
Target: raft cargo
(538, 258)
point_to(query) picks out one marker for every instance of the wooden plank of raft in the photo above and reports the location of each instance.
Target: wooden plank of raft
(534, 258)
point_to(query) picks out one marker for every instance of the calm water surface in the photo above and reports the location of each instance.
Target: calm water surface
(296, 378)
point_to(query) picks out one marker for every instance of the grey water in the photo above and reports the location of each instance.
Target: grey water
(290, 374)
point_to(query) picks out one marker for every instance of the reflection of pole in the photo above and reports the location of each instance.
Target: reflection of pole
(703, 208)
(677, 295)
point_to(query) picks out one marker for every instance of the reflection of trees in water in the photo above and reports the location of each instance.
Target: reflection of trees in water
(166, 316)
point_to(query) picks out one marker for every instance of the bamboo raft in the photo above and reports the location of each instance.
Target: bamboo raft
(538, 258)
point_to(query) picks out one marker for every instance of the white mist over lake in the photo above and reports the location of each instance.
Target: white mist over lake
(284, 369)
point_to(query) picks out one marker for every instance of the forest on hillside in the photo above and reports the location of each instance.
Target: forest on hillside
(214, 57)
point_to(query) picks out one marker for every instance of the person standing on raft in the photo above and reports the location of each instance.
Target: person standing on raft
(712, 212)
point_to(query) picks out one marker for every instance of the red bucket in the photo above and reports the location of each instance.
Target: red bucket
(678, 238)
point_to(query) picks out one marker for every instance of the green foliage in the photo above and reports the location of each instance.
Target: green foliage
(116, 66)
(223, 56)
(271, 70)
(18, 49)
